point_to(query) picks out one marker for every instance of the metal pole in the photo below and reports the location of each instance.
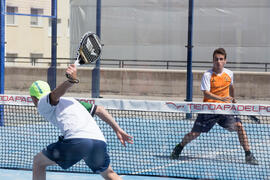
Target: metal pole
(2, 61)
(96, 70)
(189, 90)
(2, 51)
(51, 75)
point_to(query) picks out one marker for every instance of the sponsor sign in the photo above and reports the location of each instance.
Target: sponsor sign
(158, 106)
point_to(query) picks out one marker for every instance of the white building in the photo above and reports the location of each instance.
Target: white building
(30, 36)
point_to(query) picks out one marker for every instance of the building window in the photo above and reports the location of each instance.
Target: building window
(11, 18)
(10, 57)
(34, 57)
(35, 20)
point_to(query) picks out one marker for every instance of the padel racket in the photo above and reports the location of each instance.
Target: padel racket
(88, 52)
(89, 49)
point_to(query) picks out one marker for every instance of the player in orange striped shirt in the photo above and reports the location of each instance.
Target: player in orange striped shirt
(217, 87)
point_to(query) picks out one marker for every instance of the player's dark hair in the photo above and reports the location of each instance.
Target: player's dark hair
(220, 51)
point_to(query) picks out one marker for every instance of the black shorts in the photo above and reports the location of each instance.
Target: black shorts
(67, 152)
(205, 122)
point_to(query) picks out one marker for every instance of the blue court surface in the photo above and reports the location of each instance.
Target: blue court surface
(26, 175)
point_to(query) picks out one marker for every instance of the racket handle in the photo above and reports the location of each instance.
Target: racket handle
(68, 76)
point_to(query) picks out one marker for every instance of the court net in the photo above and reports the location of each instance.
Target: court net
(157, 126)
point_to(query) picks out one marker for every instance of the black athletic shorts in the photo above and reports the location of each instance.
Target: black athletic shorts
(67, 152)
(205, 122)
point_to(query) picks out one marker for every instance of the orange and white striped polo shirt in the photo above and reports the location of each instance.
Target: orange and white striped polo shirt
(218, 84)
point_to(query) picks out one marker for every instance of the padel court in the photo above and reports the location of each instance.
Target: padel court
(214, 155)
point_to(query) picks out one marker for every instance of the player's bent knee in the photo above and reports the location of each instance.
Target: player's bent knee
(40, 160)
(235, 127)
(109, 174)
(239, 126)
(37, 160)
(109, 170)
(195, 134)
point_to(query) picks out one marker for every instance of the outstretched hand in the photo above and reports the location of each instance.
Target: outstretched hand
(124, 137)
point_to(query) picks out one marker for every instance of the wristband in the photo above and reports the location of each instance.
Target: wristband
(73, 81)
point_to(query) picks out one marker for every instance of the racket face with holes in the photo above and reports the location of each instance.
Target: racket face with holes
(89, 50)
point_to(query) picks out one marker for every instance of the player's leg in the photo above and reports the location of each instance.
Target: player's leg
(203, 123)
(242, 136)
(98, 159)
(109, 174)
(63, 153)
(55, 153)
(40, 163)
(243, 139)
(233, 123)
(179, 147)
(189, 137)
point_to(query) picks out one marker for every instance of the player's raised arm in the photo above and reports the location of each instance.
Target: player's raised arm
(59, 91)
